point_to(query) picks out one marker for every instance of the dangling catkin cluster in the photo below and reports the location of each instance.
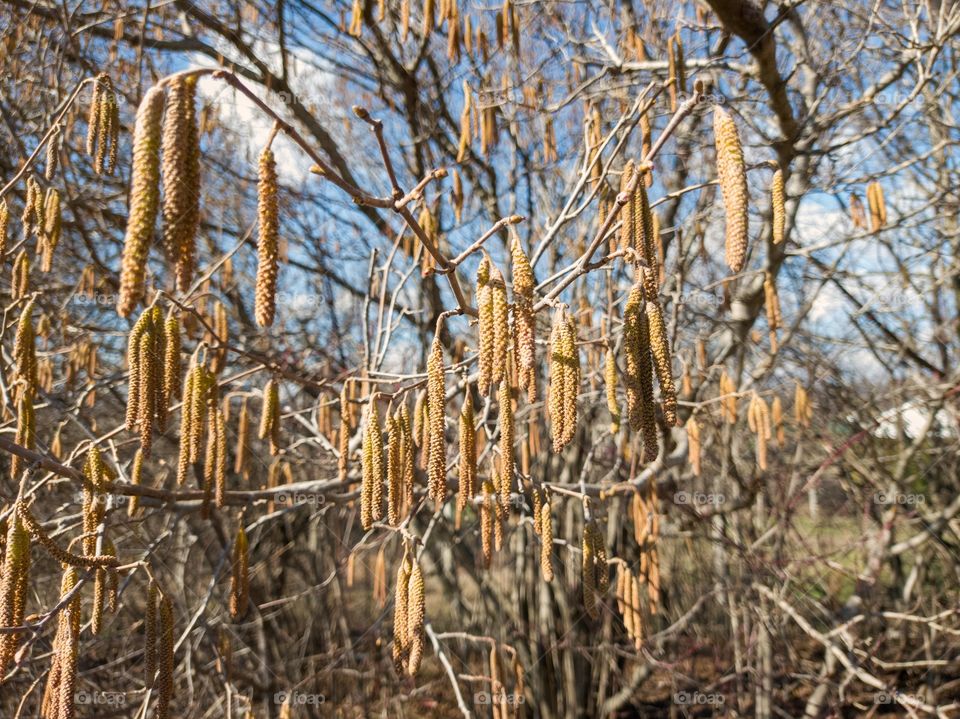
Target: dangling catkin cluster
(147, 398)
(662, 359)
(594, 573)
(267, 240)
(401, 644)
(728, 398)
(239, 575)
(732, 174)
(50, 234)
(878, 206)
(777, 203)
(436, 401)
(25, 355)
(20, 281)
(468, 453)
(197, 393)
(371, 489)
(144, 200)
(524, 322)
(13, 587)
(59, 695)
(181, 178)
(628, 602)
(564, 379)
(641, 413)
(493, 324)
(103, 125)
(270, 416)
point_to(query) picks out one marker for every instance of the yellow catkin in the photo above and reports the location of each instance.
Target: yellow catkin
(344, 434)
(270, 416)
(406, 458)
(436, 401)
(20, 284)
(181, 178)
(693, 445)
(778, 426)
(95, 113)
(457, 194)
(468, 453)
(732, 175)
(216, 460)
(878, 206)
(485, 324)
(610, 380)
(802, 409)
(25, 355)
(26, 434)
(371, 504)
(394, 467)
(52, 159)
(588, 576)
(508, 461)
(546, 539)
(13, 587)
(421, 427)
(67, 646)
(777, 205)
(524, 321)
(401, 641)
(166, 638)
(99, 596)
(415, 614)
(728, 394)
(267, 239)
(4, 226)
(662, 361)
(641, 413)
(564, 380)
(501, 324)
(171, 359)
(144, 200)
(150, 635)
(487, 520)
(239, 575)
(52, 224)
(136, 479)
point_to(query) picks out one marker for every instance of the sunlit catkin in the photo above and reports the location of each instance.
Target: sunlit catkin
(777, 205)
(416, 607)
(343, 436)
(507, 433)
(270, 417)
(371, 489)
(401, 638)
(693, 445)
(501, 324)
(52, 223)
(546, 538)
(564, 380)
(4, 226)
(13, 587)
(394, 468)
(641, 413)
(24, 354)
(467, 479)
(662, 361)
(732, 175)
(610, 381)
(777, 418)
(181, 178)
(802, 409)
(436, 401)
(144, 200)
(239, 575)
(524, 321)
(267, 239)
(485, 325)
(877, 205)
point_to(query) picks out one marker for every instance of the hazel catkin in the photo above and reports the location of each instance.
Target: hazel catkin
(267, 239)
(564, 380)
(732, 176)
(436, 401)
(144, 200)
